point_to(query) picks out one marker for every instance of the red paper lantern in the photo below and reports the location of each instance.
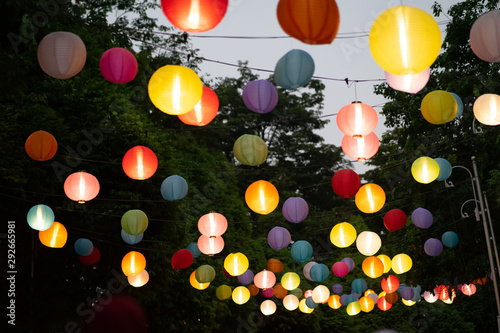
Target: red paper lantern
(118, 65)
(360, 149)
(346, 183)
(91, 259)
(41, 146)
(81, 187)
(139, 163)
(382, 304)
(390, 285)
(394, 219)
(182, 259)
(340, 269)
(357, 119)
(203, 112)
(194, 15)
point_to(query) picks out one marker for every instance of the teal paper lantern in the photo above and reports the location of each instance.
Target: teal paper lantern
(131, 239)
(134, 222)
(193, 248)
(83, 246)
(460, 105)
(350, 298)
(319, 272)
(301, 251)
(295, 69)
(359, 286)
(449, 239)
(445, 169)
(174, 188)
(40, 217)
(310, 303)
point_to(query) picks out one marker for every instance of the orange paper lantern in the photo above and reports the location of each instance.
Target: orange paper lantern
(370, 198)
(274, 265)
(139, 163)
(55, 236)
(262, 197)
(194, 15)
(203, 112)
(81, 187)
(41, 146)
(373, 267)
(133, 263)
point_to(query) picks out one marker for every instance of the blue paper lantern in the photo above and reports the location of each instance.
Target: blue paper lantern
(295, 69)
(302, 251)
(433, 247)
(174, 188)
(449, 239)
(460, 105)
(351, 298)
(193, 248)
(83, 246)
(444, 169)
(319, 272)
(417, 290)
(40, 217)
(310, 303)
(131, 239)
(359, 286)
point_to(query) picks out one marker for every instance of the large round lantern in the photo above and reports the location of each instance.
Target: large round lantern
(405, 40)
(236, 263)
(343, 235)
(182, 259)
(268, 307)
(194, 15)
(210, 245)
(401, 263)
(204, 274)
(433, 247)
(439, 107)
(409, 83)
(425, 170)
(134, 222)
(373, 267)
(140, 163)
(295, 209)
(41, 146)
(204, 111)
(260, 96)
(307, 269)
(301, 251)
(81, 187)
(320, 294)
(223, 292)
(133, 263)
(311, 22)
(174, 188)
(319, 272)
(212, 224)
(340, 269)
(40, 217)
(195, 284)
(422, 218)
(290, 302)
(460, 105)
(175, 89)
(55, 236)
(383, 305)
(250, 150)
(366, 304)
(445, 169)
(359, 286)
(368, 243)
(304, 308)
(61, 54)
(346, 183)
(264, 279)
(246, 277)
(370, 198)
(290, 280)
(386, 261)
(274, 265)
(357, 120)
(486, 109)
(262, 197)
(390, 285)
(131, 239)
(278, 238)
(360, 149)
(295, 69)
(91, 259)
(394, 219)
(139, 280)
(118, 65)
(279, 291)
(484, 37)
(449, 239)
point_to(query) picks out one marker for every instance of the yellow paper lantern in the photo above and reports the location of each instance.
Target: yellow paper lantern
(366, 304)
(439, 107)
(368, 243)
(55, 236)
(382, 294)
(425, 170)
(373, 267)
(290, 281)
(386, 261)
(268, 307)
(303, 307)
(487, 109)
(370, 198)
(405, 40)
(343, 235)
(401, 263)
(320, 294)
(133, 263)
(195, 284)
(139, 280)
(236, 263)
(290, 302)
(334, 302)
(241, 295)
(175, 89)
(223, 292)
(408, 302)
(262, 197)
(353, 308)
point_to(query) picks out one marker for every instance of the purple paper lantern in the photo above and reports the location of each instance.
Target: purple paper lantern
(246, 278)
(118, 65)
(422, 218)
(269, 292)
(337, 288)
(278, 238)
(407, 293)
(350, 263)
(433, 247)
(343, 300)
(307, 270)
(295, 209)
(260, 96)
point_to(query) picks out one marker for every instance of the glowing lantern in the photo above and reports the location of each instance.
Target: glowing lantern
(304, 308)
(139, 280)
(449, 239)
(308, 293)
(408, 302)
(253, 290)
(383, 305)
(422, 218)
(391, 298)
(264, 279)
(340, 269)
(320, 294)
(55, 236)
(353, 308)
(359, 286)
(40, 217)
(210, 245)
(182, 259)
(268, 307)
(401, 263)
(236, 263)
(91, 259)
(174, 188)
(346, 183)
(334, 302)
(61, 54)
(241, 295)
(131, 239)
(360, 149)
(295, 69)
(484, 37)
(204, 111)
(223, 292)
(81, 187)
(290, 281)
(307, 270)
(368, 243)
(134, 222)
(140, 163)
(197, 285)
(343, 235)
(246, 277)
(373, 267)
(212, 224)
(133, 263)
(301, 251)
(175, 89)
(118, 65)
(439, 107)
(41, 146)
(262, 197)
(366, 304)
(405, 40)
(357, 120)
(394, 219)
(278, 238)
(83, 246)
(194, 15)
(409, 83)
(290, 302)
(374, 297)
(390, 285)
(260, 96)
(274, 265)
(204, 274)
(407, 293)
(250, 150)
(430, 297)
(279, 291)
(311, 22)
(486, 109)
(370, 198)
(445, 169)
(295, 209)
(425, 170)
(469, 289)
(349, 262)
(319, 272)
(337, 288)
(433, 247)
(193, 248)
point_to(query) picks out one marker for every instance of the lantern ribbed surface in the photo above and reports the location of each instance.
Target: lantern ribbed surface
(41, 146)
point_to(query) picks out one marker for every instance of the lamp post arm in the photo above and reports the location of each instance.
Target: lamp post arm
(495, 250)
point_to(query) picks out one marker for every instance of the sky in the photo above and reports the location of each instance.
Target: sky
(348, 56)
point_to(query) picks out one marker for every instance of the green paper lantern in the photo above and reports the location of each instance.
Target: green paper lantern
(250, 150)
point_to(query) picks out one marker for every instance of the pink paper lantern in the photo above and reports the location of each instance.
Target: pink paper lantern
(118, 65)
(295, 209)
(260, 96)
(357, 119)
(410, 83)
(360, 149)
(264, 279)
(340, 269)
(269, 292)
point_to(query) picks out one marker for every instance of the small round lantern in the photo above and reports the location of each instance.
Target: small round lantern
(197, 285)
(295, 209)
(469, 289)
(268, 307)
(301, 251)
(353, 308)
(346, 183)
(250, 150)
(291, 302)
(295, 69)
(194, 15)
(391, 298)
(368, 243)
(131, 239)
(343, 235)
(204, 274)
(373, 267)
(254, 291)
(370, 198)
(262, 197)
(484, 36)
(290, 280)
(83, 246)
(366, 304)
(407, 293)
(409, 83)
(91, 259)
(193, 248)
(394, 219)
(304, 308)
(133, 263)
(140, 163)
(41, 146)
(40, 217)
(236, 263)
(360, 149)
(439, 107)
(445, 169)
(357, 120)
(55, 236)
(278, 238)
(430, 297)
(359, 286)
(349, 262)
(279, 291)
(340, 269)
(486, 109)
(401, 263)
(422, 218)
(182, 259)
(264, 279)
(433, 247)
(337, 288)
(307, 270)
(174, 188)
(274, 265)
(118, 65)
(449, 239)
(134, 222)
(223, 292)
(390, 285)
(386, 261)
(334, 302)
(246, 277)
(425, 170)
(204, 111)
(139, 280)
(260, 96)
(212, 224)
(383, 305)
(81, 187)
(210, 245)
(319, 273)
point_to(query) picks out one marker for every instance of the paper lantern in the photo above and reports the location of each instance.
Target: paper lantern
(61, 54)
(260, 96)
(368, 243)
(204, 111)
(304, 308)
(236, 263)
(433, 247)
(279, 291)
(407, 293)
(405, 40)
(310, 303)
(295, 209)
(386, 261)
(422, 218)
(193, 248)
(319, 272)
(360, 149)
(182, 259)
(484, 37)
(408, 302)
(290, 302)
(353, 308)
(295, 69)
(401, 263)
(343, 235)
(268, 307)
(417, 290)
(449, 239)
(204, 274)
(40, 217)
(133, 263)
(460, 104)
(175, 89)
(264, 279)
(246, 277)
(91, 259)
(349, 262)
(346, 183)
(269, 292)
(373, 267)
(486, 109)
(83, 246)
(81, 187)
(334, 302)
(307, 269)
(134, 222)
(223, 292)
(55, 236)
(41, 146)
(250, 150)
(320, 294)
(357, 120)
(394, 219)
(210, 245)
(337, 288)
(253, 290)
(212, 224)
(139, 163)
(278, 238)
(351, 298)
(359, 286)
(368, 292)
(139, 280)
(301, 251)
(430, 297)
(118, 65)
(469, 289)
(174, 188)
(311, 22)
(439, 107)
(383, 305)
(194, 15)
(391, 298)
(425, 170)
(131, 239)
(390, 285)
(409, 83)
(262, 197)
(197, 285)
(445, 169)
(274, 265)
(370, 198)
(340, 269)
(366, 304)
